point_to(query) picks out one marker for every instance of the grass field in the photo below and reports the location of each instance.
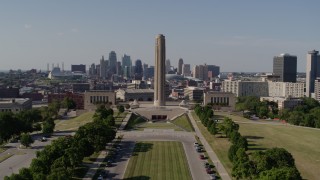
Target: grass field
(7, 156)
(75, 123)
(302, 143)
(119, 118)
(183, 122)
(133, 121)
(158, 160)
(219, 145)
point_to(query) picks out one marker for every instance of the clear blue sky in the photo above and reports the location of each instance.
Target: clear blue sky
(236, 35)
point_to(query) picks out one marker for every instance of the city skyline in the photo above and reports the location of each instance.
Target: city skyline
(35, 33)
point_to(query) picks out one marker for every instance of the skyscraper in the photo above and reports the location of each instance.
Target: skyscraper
(126, 66)
(103, 68)
(215, 70)
(186, 70)
(180, 63)
(138, 71)
(168, 66)
(312, 72)
(285, 66)
(159, 78)
(113, 62)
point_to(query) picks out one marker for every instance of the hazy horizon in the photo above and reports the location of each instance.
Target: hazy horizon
(237, 36)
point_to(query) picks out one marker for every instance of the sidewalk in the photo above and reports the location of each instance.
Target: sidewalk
(94, 167)
(222, 171)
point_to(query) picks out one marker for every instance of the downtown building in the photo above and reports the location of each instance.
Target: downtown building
(78, 68)
(312, 72)
(286, 89)
(186, 70)
(285, 66)
(245, 88)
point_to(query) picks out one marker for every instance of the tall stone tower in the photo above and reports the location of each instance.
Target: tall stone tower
(159, 75)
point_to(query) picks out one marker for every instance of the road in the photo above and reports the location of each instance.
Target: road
(23, 157)
(130, 138)
(220, 168)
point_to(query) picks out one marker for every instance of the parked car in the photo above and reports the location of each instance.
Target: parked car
(201, 156)
(213, 176)
(206, 165)
(43, 139)
(208, 170)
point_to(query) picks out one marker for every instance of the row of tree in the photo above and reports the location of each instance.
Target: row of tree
(59, 159)
(12, 125)
(275, 163)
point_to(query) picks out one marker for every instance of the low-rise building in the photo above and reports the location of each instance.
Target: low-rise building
(94, 97)
(9, 92)
(80, 87)
(194, 93)
(15, 105)
(135, 94)
(284, 102)
(225, 101)
(76, 97)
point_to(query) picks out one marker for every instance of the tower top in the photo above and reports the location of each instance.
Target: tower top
(160, 36)
(313, 52)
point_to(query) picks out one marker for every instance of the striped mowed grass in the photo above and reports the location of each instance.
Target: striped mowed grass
(158, 160)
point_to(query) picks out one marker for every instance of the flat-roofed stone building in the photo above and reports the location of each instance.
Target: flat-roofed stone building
(94, 97)
(15, 105)
(225, 101)
(135, 94)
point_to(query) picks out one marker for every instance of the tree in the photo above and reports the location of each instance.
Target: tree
(263, 110)
(110, 121)
(242, 167)
(242, 143)
(272, 158)
(232, 152)
(120, 108)
(213, 128)
(48, 127)
(69, 103)
(97, 133)
(296, 117)
(26, 139)
(309, 120)
(234, 137)
(25, 173)
(286, 173)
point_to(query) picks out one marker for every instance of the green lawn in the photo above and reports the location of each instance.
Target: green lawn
(5, 157)
(133, 121)
(157, 125)
(158, 160)
(75, 123)
(302, 143)
(183, 122)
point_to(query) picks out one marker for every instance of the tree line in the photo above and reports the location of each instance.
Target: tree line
(274, 163)
(26, 121)
(307, 114)
(60, 159)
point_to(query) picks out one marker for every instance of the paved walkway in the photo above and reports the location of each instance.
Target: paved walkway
(95, 165)
(220, 168)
